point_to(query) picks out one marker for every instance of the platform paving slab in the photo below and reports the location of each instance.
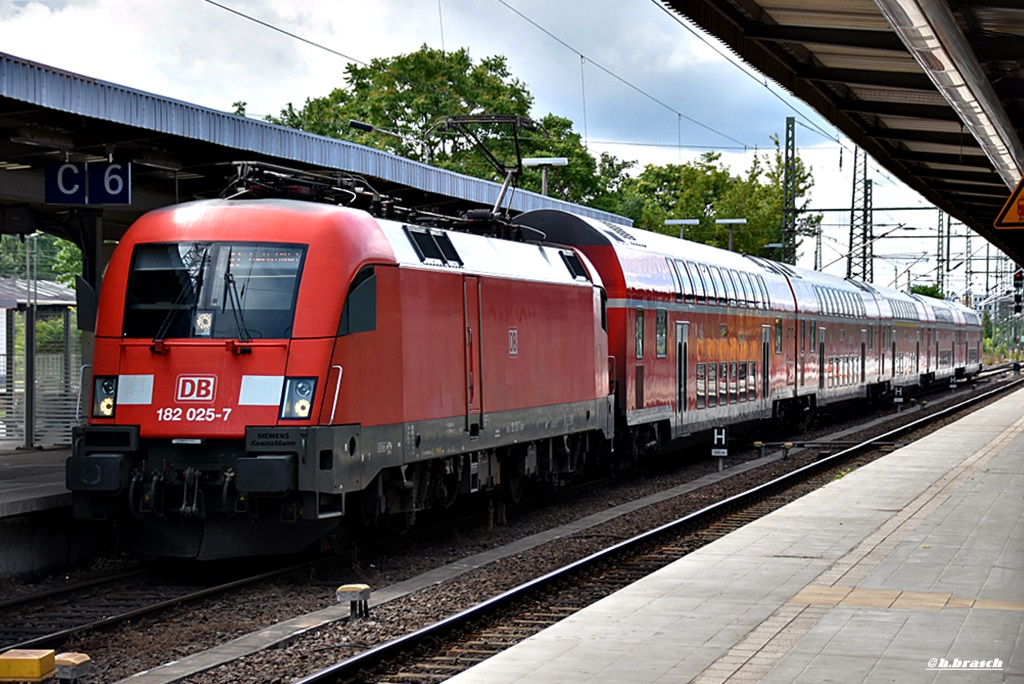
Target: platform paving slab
(890, 539)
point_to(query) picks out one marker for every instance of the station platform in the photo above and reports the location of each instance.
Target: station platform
(32, 480)
(37, 535)
(910, 569)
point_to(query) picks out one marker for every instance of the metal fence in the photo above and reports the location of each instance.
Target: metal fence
(57, 382)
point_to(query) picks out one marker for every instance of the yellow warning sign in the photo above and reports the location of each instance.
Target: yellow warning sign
(1012, 214)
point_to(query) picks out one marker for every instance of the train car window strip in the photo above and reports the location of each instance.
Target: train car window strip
(742, 381)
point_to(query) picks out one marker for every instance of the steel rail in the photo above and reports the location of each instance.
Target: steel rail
(367, 660)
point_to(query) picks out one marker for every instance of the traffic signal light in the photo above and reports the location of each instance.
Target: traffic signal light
(1018, 279)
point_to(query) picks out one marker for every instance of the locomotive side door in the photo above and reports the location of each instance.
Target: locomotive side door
(682, 368)
(471, 308)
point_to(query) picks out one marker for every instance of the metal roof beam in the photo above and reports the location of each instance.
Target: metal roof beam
(942, 113)
(973, 160)
(892, 79)
(875, 40)
(978, 178)
(964, 139)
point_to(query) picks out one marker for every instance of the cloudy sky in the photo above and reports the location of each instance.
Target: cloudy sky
(637, 81)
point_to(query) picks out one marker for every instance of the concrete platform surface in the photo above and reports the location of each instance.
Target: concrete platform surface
(910, 569)
(32, 480)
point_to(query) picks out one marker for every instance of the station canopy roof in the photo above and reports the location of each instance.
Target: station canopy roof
(933, 90)
(181, 151)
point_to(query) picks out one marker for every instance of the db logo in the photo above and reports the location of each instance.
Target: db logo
(196, 388)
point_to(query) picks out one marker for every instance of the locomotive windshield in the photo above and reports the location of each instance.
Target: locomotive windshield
(238, 290)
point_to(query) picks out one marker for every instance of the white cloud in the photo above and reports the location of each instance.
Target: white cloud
(195, 51)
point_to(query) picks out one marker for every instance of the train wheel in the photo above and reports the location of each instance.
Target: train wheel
(513, 483)
(341, 538)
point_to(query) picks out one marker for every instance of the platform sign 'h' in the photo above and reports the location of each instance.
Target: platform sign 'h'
(720, 444)
(720, 441)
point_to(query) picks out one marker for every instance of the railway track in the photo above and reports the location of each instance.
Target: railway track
(46, 619)
(49, 619)
(451, 645)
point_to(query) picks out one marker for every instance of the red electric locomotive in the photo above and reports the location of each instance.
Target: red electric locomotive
(267, 369)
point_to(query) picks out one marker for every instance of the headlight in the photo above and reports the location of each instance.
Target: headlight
(297, 401)
(104, 397)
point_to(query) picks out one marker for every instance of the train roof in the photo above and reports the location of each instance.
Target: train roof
(641, 256)
(428, 247)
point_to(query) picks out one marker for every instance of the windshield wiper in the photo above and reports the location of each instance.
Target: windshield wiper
(231, 295)
(193, 287)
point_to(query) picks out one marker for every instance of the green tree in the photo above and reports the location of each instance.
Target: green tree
(706, 190)
(410, 95)
(928, 291)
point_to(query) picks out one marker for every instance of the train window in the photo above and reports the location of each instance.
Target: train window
(744, 287)
(712, 385)
(814, 337)
(742, 379)
(723, 383)
(719, 282)
(701, 385)
(733, 382)
(752, 381)
(661, 334)
(778, 335)
(604, 310)
(803, 336)
(685, 282)
(764, 292)
(570, 258)
(714, 290)
(699, 287)
(359, 313)
(675, 278)
(640, 333)
(730, 287)
(215, 290)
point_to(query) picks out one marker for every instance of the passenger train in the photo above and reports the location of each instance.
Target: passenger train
(271, 373)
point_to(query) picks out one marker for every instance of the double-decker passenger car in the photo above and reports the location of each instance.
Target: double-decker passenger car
(703, 337)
